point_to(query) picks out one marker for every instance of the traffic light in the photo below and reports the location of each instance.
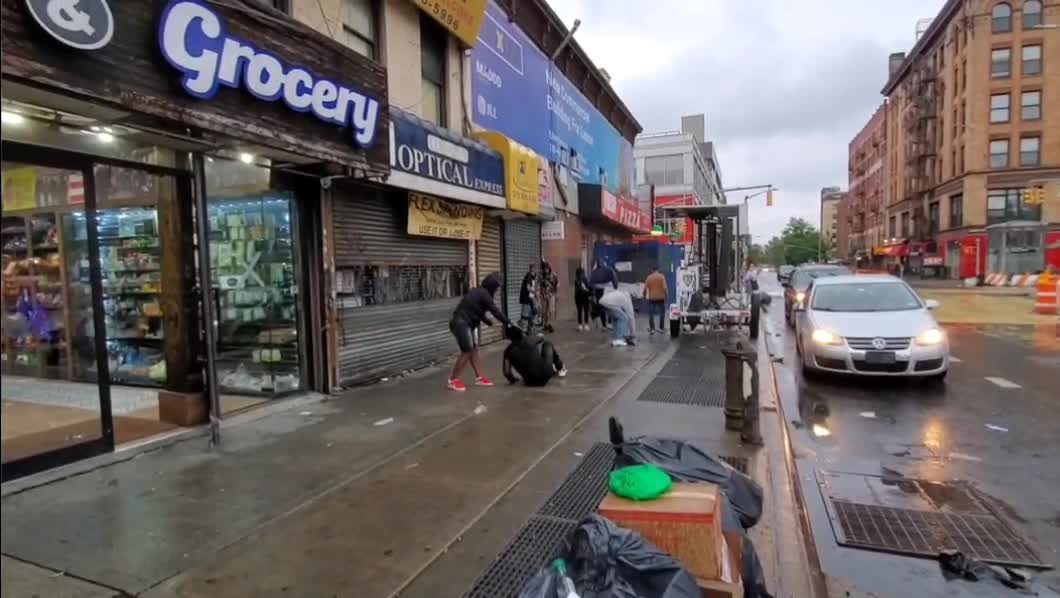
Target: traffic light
(1034, 196)
(769, 198)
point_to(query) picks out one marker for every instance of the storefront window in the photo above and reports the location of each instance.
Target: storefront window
(1004, 205)
(255, 276)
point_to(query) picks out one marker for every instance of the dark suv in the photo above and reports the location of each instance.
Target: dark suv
(795, 286)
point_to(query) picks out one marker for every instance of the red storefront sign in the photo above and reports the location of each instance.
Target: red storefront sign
(624, 212)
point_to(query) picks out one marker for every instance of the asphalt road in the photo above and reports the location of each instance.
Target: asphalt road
(992, 425)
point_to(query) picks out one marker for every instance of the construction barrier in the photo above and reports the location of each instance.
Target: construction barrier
(1045, 301)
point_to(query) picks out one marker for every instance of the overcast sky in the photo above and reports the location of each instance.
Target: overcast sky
(784, 84)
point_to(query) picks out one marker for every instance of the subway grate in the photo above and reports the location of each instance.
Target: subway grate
(926, 533)
(582, 490)
(738, 463)
(538, 542)
(681, 391)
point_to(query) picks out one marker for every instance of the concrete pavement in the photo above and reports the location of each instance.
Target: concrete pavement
(362, 495)
(1003, 379)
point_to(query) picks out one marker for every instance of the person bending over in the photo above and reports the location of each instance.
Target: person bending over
(534, 359)
(474, 309)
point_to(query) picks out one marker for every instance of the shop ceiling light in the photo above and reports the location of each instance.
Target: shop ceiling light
(246, 158)
(657, 231)
(13, 118)
(105, 137)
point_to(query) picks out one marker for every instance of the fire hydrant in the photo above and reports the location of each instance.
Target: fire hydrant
(741, 413)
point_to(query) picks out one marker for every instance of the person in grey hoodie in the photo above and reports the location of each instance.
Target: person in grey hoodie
(620, 307)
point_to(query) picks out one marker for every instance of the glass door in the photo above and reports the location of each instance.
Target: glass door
(52, 322)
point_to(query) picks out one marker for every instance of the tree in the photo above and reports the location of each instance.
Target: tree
(798, 243)
(757, 254)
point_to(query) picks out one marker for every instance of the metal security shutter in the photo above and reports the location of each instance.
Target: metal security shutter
(522, 247)
(489, 260)
(378, 340)
(370, 229)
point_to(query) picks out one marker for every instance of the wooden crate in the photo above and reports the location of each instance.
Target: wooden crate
(685, 522)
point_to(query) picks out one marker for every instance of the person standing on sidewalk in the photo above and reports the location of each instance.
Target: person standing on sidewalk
(620, 307)
(655, 292)
(474, 309)
(582, 298)
(602, 279)
(528, 299)
(549, 286)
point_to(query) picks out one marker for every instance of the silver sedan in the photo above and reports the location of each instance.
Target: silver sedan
(870, 326)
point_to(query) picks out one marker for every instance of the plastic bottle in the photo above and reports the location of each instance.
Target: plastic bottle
(568, 583)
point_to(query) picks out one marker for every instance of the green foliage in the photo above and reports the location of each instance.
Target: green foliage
(798, 243)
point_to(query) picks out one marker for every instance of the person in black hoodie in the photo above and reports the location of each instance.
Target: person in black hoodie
(532, 358)
(474, 309)
(528, 299)
(602, 277)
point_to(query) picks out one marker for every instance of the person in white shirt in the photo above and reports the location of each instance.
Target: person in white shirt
(619, 306)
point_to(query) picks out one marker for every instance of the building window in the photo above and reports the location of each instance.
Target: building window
(433, 44)
(891, 226)
(1032, 60)
(358, 26)
(1008, 204)
(1001, 18)
(956, 211)
(664, 170)
(1030, 151)
(999, 108)
(1032, 14)
(934, 225)
(1001, 63)
(1031, 105)
(999, 153)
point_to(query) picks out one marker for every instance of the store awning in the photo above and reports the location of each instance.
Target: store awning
(521, 164)
(891, 250)
(599, 204)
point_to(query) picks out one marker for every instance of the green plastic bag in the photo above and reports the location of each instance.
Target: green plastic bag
(640, 482)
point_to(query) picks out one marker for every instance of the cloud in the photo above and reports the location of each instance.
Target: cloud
(785, 84)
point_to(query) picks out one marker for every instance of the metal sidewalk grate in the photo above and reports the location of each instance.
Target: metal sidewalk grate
(538, 542)
(582, 490)
(737, 463)
(681, 391)
(926, 533)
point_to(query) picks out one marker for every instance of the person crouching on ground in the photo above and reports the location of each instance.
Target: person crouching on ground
(602, 280)
(534, 359)
(619, 306)
(474, 309)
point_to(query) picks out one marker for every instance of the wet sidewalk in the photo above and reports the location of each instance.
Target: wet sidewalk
(346, 497)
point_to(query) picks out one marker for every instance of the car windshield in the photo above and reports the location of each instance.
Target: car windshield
(854, 296)
(801, 278)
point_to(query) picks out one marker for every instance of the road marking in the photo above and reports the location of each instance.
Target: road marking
(955, 359)
(1002, 382)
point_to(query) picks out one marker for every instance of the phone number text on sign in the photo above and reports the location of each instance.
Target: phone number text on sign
(463, 18)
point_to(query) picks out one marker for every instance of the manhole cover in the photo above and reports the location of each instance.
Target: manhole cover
(582, 490)
(682, 391)
(532, 547)
(926, 533)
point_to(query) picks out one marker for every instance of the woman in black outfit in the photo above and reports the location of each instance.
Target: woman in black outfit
(582, 298)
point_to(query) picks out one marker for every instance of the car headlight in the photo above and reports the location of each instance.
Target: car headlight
(931, 336)
(823, 337)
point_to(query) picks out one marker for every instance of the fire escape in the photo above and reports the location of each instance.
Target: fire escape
(921, 130)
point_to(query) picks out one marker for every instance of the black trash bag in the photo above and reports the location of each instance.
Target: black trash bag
(608, 561)
(687, 463)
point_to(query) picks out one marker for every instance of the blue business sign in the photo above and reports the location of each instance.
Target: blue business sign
(432, 160)
(517, 91)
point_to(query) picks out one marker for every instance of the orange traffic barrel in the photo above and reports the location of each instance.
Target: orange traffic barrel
(1045, 302)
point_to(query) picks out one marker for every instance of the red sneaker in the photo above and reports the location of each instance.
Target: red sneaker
(483, 381)
(457, 385)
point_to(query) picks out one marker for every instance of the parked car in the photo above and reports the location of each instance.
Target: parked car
(796, 285)
(869, 326)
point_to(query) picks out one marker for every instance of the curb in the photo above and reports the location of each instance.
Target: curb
(811, 575)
